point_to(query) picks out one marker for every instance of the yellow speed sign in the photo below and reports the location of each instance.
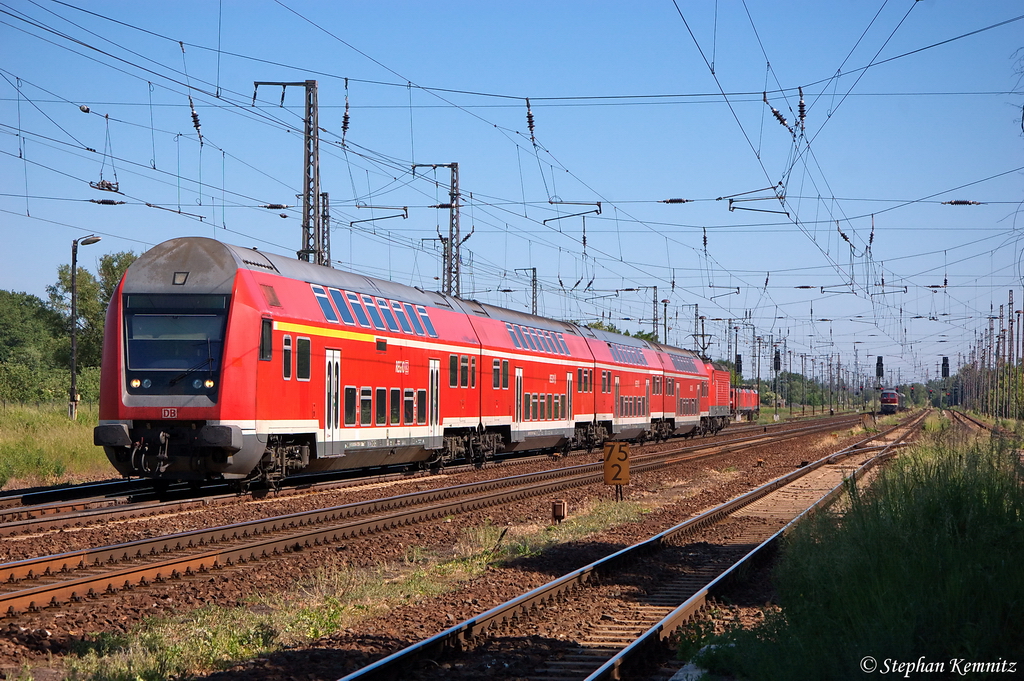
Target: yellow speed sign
(616, 463)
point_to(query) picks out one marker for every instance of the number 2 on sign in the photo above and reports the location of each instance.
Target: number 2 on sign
(616, 463)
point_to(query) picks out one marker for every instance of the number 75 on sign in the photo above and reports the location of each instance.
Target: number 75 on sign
(616, 463)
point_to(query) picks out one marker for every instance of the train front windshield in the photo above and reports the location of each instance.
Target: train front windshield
(174, 343)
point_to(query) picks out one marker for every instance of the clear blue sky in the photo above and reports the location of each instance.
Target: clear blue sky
(627, 112)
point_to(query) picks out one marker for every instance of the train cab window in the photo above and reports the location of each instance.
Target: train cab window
(464, 374)
(409, 412)
(350, 405)
(325, 303)
(400, 315)
(382, 406)
(426, 321)
(453, 371)
(421, 406)
(396, 406)
(267, 340)
(302, 359)
(504, 374)
(414, 319)
(357, 307)
(472, 372)
(374, 312)
(512, 335)
(365, 406)
(496, 371)
(389, 318)
(286, 357)
(339, 302)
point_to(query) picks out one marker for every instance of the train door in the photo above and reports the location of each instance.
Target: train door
(647, 400)
(517, 421)
(568, 397)
(332, 404)
(615, 407)
(434, 409)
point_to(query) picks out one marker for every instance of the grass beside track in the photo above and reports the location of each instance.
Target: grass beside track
(40, 445)
(924, 565)
(333, 599)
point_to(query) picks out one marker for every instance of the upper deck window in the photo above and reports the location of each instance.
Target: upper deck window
(400, 315)
(339, 301)
(426, 321)
(325, 303)
(357, 307)
(374, 313)
(389, 318)
(415, 319)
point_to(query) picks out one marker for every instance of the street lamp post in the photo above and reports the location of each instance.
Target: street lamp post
(73, 392)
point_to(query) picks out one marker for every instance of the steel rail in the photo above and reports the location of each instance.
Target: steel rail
(463, 634)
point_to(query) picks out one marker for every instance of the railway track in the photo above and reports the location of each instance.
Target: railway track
(636, 598)
(138, 500)
(37, 583)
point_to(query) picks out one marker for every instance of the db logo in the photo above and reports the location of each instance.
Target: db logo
(169, 414)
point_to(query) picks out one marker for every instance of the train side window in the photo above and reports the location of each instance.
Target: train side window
(400, 315)
(464, 375)
(421, 406)
(267, 340)
(339, 302)
(382, 406)
(561, 341)
(286, 357)
(453, 371)
(302, 359)
(350, 405)
(396, 406)
(579, 380)
(472, 372)
(512, 335)
(526, 407)
(374, 313)
(526, 337)
(389, 318)
(409, 415)
(521, 337)
(534, 407)
(325, 303)
(365, 406)
(545, 343)
(543, 407)
(504, 374)
(426, 321)
(496, 370)
(357, 307)
(414, 318)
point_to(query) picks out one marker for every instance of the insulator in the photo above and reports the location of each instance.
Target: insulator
(961, 202)
(676, 201)
(274, 206)
(529, 120)
(107, 202)
(83, 108)
(344, 123)
(803, 107)
(780, 117)
(945, 282)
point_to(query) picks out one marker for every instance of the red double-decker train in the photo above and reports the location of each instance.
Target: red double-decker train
(227, 363)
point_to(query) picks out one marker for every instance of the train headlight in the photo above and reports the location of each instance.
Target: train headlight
(136, 383)
(197, 384)
(209, 383)
(146, 383)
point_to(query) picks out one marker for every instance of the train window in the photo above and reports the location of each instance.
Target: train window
(382, 406)
(396, 406)
(526, 407)
(464, 375)
(267, 340)
(525, 333)
(453, 371)
(286, 357)
(365, 406)
(521, 337)
(472, 372)
(496, 370)
(550, 338)
(409, 414)
(302, 359)
(357, 307)
(512, 335)
(421, 406)
(504, 374)
(561, 342)
(339, 302)
(426, 321)
(400, 315)
(414, 318)
(545, 407)
(389, 318)
(325, 303)
(579, 380)
(534, 407)
(350, 405)
(557, 407)
(374, 313)
(542, 337)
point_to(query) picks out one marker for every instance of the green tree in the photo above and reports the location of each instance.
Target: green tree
(112, 267)
(28, 330)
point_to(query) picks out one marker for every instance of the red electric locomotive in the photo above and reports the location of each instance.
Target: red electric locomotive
(221, 362)
(745, 403)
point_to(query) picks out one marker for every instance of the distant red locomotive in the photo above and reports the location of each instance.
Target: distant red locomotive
(745, 403)
(891, 401)
(227, 363)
